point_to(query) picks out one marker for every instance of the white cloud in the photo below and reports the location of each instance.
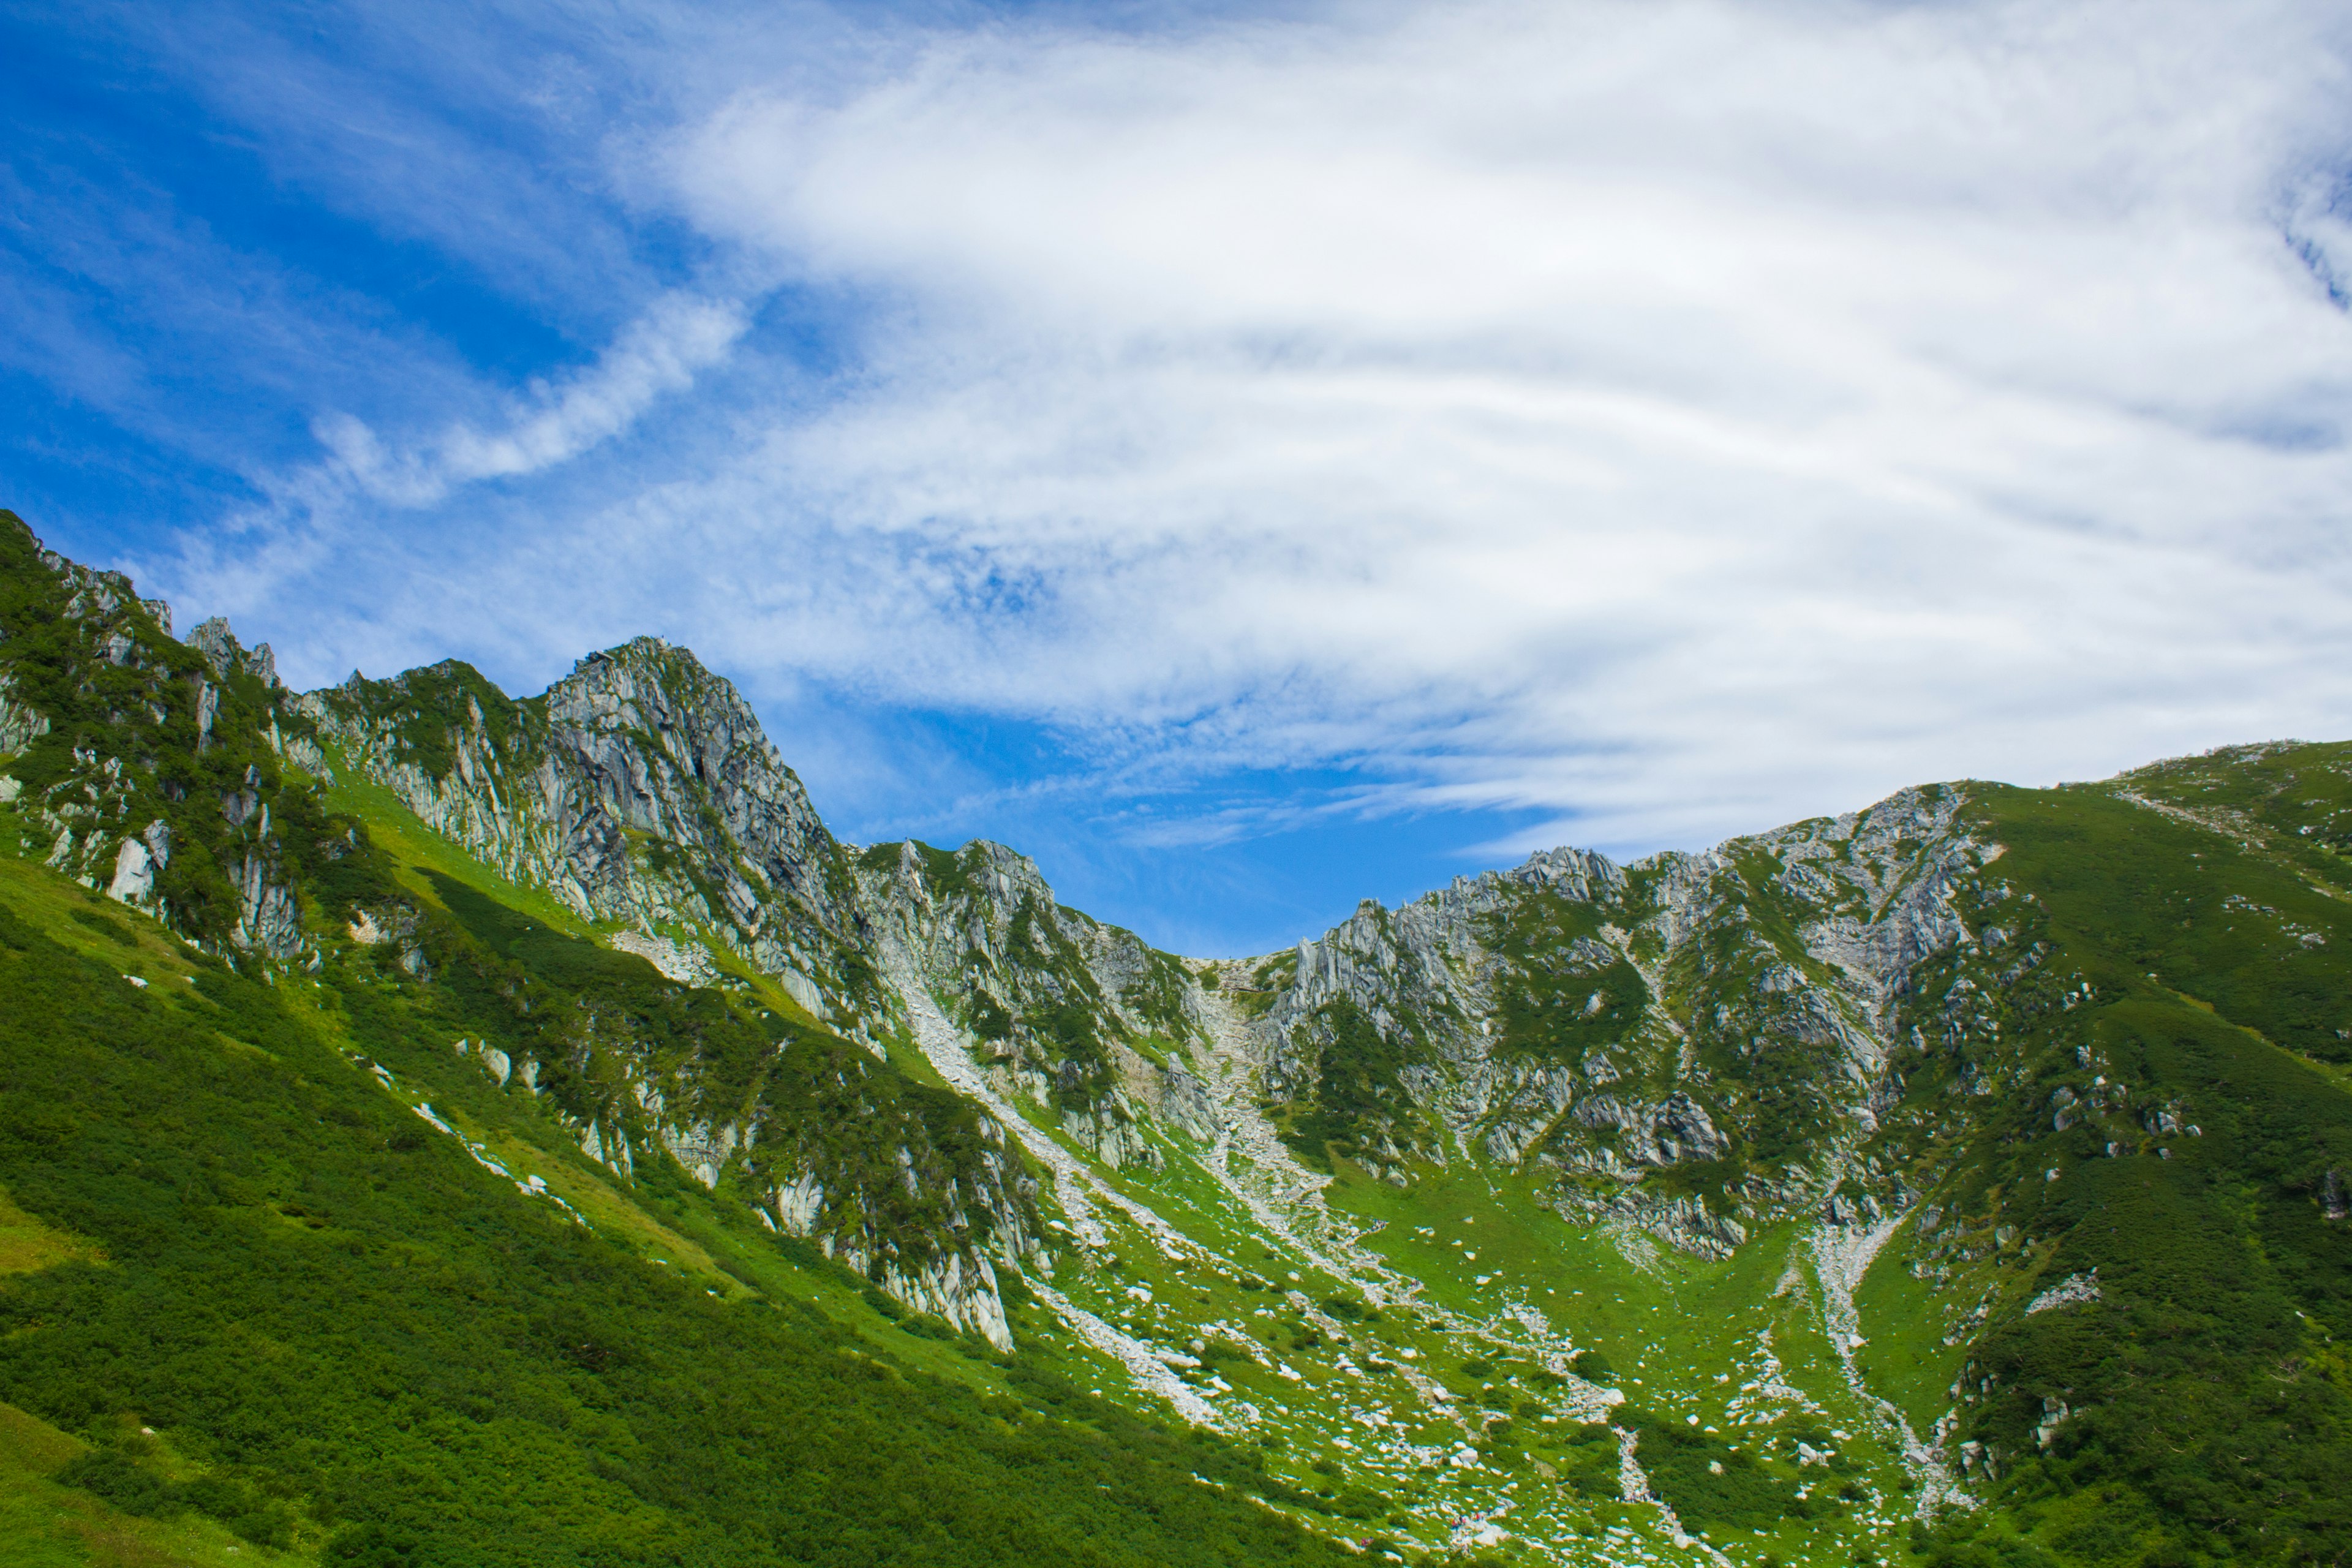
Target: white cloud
(1675, 417)
(660, 352)
(1681, 415)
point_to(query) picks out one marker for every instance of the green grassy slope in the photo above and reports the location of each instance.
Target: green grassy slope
(363, 1343)
(2154, 1112)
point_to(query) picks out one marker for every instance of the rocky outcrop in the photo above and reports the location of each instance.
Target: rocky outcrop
(20, 726)
(960, 1288)
(1051, 998)
(219, 649)
(136, 863)
(1171, 1095)
(639, 789)
(676, 961)
(987, 1214)
(270, 918)
(823, 1142)
(102, 707)
(1604, 1020)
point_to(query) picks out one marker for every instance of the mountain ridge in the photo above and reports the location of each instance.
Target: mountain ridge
(2045, 1089)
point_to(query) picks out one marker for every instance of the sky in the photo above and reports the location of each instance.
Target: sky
(1251, 458)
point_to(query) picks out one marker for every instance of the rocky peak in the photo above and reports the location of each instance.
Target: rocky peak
(984, 879)
(671, 750)
(219, 649)
(638, 789)
(1583, 874)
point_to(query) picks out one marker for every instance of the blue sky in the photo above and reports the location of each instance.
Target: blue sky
(1252, 459)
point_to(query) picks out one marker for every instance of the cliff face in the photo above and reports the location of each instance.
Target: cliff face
(1625, 1027)
(639, 790)
(1061, 1009)
(1629, 1027)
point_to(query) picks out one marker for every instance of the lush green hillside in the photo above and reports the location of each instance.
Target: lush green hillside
(2162, 1117)
(350, 1338)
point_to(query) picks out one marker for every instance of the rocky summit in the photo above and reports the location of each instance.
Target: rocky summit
(440, 1128)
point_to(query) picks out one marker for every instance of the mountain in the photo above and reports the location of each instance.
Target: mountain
(438, 1128)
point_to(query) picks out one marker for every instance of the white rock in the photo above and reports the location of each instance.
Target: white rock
(134, 874)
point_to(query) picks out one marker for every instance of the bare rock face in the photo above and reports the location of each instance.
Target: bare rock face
(20, 726)
(639, 789)
(645, 740)
(218, 646)
(1173, 1095)
(270, 917)
(1052, 1000)
(686, 965)
(961, 1291)
(1606, 1021)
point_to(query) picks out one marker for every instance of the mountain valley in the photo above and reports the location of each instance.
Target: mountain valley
(439, 1129)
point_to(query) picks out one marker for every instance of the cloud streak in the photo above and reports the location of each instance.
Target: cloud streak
(658, 354)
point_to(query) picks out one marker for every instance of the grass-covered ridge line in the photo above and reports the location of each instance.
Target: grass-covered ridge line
(2145, 1133)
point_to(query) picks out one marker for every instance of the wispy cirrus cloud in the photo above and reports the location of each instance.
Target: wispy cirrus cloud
(658, 354)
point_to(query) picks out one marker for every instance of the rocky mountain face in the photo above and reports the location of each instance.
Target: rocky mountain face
(144, 766)
(639, 790)
(1065, 1012)
(1693, 1042)
(642, 793)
